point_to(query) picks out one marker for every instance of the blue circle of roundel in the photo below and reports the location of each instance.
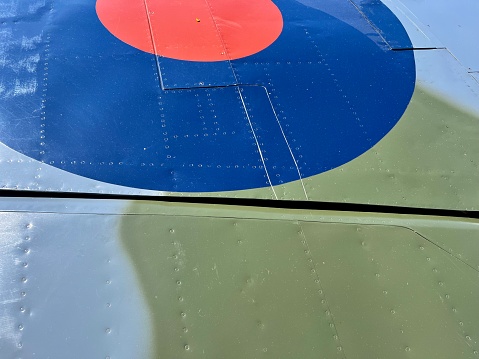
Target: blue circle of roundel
(325, 92)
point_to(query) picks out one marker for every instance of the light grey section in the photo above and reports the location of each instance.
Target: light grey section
(66, 289)
(10, 286)
(442, 74)
(454, 23)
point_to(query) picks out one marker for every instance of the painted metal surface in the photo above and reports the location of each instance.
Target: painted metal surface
(66, 107)
(145, 279)
(66, 286)
(454, 24)
(87, 120)
(199, 30)
(337, 108)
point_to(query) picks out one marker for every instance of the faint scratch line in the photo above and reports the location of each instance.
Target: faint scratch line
(443, 249)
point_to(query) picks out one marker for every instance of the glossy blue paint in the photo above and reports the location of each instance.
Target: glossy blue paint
(380, 16)
(176, 74)
(325, 92)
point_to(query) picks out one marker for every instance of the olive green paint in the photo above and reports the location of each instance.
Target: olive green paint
(429, 159)
(223, 281)
(229, 288)
(394, 294)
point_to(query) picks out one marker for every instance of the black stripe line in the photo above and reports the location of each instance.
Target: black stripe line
(251, 202)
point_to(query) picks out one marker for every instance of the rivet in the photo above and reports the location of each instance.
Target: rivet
(108, 330)
(187, 347)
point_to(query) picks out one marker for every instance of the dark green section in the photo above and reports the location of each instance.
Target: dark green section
(395, 294)
(227, 282)
(229, 288)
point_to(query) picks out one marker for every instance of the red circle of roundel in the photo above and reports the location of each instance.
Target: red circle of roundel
(194, 30)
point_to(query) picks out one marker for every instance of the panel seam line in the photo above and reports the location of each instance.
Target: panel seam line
(316, 276)
(287, 143)
(223, 44)
(152, 36)
(257, 142)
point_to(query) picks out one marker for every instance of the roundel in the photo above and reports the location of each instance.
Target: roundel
(205, 95)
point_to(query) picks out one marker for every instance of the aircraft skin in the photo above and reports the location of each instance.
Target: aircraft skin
(237, 179)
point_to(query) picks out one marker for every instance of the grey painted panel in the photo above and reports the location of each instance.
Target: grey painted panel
(66, 290)
(454, 23)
